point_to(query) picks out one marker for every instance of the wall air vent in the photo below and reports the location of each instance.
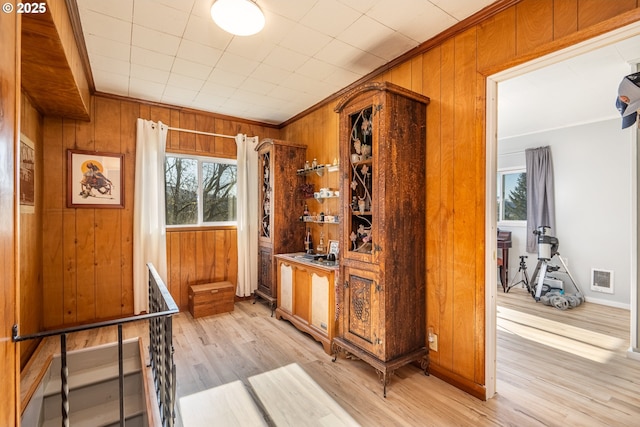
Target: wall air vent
(602, 280)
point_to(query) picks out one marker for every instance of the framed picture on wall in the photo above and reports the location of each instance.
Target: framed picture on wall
(27, 175)
(95, 179)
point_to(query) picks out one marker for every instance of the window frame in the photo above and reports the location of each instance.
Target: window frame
(199, 197)
(500, 210)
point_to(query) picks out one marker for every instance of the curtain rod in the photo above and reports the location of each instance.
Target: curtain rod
(200, 132)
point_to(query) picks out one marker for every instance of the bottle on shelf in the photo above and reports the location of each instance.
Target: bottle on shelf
(308, 242)
(306, 209)
(320, 248)
(314, 164)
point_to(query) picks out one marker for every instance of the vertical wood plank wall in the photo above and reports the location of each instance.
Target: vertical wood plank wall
(31, 125)
(453, 75)
(87, 252)
(9, 293)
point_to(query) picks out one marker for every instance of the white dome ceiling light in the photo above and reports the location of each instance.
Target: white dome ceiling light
(239, 17)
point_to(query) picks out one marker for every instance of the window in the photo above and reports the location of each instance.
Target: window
(200, 190)
(512, 195)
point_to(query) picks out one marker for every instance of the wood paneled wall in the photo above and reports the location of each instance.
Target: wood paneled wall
(31, 125)
(87, 252)
(9, 290)
(452, 73)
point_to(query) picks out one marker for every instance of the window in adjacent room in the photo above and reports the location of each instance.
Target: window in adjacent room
(512, 196)
(200, 190)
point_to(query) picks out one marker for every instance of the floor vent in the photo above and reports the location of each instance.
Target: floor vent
(602, 280)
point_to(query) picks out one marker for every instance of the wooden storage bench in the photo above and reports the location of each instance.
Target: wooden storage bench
(211, 298)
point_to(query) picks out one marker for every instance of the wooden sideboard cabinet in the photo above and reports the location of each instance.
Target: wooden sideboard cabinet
(279, 206)
(306, 297)
(383, 177)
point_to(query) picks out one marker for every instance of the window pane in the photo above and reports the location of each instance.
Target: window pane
(181, 180)
(219, 192)
(514, 196)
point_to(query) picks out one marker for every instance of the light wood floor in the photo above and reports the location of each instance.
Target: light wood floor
(539, 384)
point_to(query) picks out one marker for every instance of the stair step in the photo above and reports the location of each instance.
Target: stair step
(106, 414)
(98, 373)
(98, 404)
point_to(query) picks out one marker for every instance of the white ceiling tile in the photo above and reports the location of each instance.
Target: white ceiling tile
(286, 59)
(191, 69)
(156, 16)
(205, 31)
(305, 40)
(211, 88)
(199, 53)
(109, 48)
(365, 34)
(342, 77)
(155, 40)
(151, 59)
(106, 26)
(121, 9)
(394, 15)
(293, 10)
(271, 74)
(180, 81)
(110, 65)
(330, 17)
(461, 9)
(107, 82)
(316, 69)
(145, 89)
(344, 55)
(181, 5)
(226, 78)
(154, 75)
(237, 64)
(362, 6)
(422, 28)
(179, 95)
(393, 46)
(256, 86)
(250, 48)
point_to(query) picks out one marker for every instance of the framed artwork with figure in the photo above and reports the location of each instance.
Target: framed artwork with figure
(95, 179)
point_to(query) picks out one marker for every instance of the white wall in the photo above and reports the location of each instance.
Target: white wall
(592, 167)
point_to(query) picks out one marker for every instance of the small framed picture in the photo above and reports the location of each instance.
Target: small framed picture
(94, 179)
(334, 247)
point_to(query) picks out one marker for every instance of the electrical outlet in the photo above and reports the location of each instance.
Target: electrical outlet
(433, 340)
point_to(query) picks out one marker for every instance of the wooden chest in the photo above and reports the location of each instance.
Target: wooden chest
(211, 298)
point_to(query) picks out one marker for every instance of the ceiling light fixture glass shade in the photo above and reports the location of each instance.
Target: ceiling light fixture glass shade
(239, 17)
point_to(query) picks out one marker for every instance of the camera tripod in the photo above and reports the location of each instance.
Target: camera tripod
(547, 249)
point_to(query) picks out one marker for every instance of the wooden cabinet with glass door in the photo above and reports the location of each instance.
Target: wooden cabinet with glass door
(280, 231)
(383, 226)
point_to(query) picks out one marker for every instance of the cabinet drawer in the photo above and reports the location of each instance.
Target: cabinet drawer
(211, 298)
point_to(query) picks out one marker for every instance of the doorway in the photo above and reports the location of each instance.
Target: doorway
(492, 168)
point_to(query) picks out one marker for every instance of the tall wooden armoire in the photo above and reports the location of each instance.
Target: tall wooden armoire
(382, 247)
(280, 230)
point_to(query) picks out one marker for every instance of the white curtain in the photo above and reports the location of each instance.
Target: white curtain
(149, 236)
(541, 205)
(247, 186)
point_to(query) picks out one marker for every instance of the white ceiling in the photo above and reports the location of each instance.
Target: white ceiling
(170, 51)
(576, 91)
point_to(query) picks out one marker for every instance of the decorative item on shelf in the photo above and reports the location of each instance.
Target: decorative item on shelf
(321, 216)
(320, 248)
(314, 164)
(308, 243)
(306, 209)
(307, 165)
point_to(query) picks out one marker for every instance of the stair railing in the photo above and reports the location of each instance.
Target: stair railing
(161, 309)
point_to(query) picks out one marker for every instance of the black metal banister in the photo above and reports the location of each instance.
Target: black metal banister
(161, 309)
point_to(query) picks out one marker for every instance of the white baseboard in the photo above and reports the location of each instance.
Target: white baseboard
(608, 303)
(633, 354)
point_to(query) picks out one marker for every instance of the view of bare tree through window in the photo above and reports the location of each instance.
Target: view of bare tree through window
(217, 191)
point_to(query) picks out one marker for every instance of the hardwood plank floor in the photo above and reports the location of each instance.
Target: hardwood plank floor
(539, 384)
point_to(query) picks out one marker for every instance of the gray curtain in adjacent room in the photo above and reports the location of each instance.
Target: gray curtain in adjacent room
(540, 199)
